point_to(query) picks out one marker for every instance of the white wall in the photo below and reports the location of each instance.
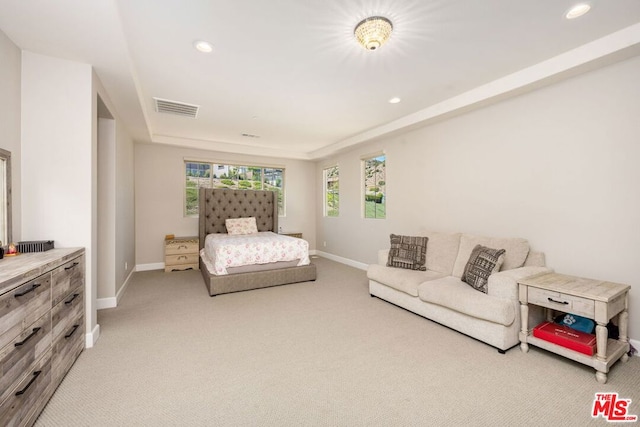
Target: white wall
(558, 166)
(159, 178)
(10, 69)
(60, 171)
(58, 158)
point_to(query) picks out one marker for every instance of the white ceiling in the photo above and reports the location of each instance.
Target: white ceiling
(291, 72)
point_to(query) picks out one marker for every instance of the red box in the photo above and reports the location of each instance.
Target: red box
(566, 337)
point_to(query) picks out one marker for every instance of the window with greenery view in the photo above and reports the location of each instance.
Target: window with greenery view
(375, 187)
(213, 175)
(331, 191)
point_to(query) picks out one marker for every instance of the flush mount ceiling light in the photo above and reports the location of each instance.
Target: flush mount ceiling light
(372, 32)
(203, 46)
(577, 11)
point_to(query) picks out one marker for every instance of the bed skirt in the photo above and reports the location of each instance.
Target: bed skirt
(255, 280)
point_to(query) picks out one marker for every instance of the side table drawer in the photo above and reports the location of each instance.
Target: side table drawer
(178, 247)
(561, 302)
(182, 259)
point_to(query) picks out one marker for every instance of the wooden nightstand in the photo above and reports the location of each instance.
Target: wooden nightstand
(298, 235)
(181, 253)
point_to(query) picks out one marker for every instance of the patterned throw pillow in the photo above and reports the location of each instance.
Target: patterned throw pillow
(408, 252)
(482, 263)
(241, 225)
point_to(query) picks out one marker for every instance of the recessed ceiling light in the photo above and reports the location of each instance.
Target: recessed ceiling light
(578, 10)
(394, 100)
(203, 46)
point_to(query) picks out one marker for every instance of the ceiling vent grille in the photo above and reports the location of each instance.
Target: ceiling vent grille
(175, 107)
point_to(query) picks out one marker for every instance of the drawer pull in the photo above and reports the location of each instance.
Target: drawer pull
(72, 331)
(35, 331)
(181, 257)
(71, 266)
(24, 390)
(72, 298)
(31, 289)
(182, 247)
(558, 302)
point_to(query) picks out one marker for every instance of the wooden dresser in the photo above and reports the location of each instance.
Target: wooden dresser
(181, 253)
(42, 324)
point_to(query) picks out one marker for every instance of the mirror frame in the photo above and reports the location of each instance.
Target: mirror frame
(5, 208)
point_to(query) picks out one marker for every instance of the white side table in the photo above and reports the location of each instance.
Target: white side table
(594, 299)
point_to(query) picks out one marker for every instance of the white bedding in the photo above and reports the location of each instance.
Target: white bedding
(224, 251)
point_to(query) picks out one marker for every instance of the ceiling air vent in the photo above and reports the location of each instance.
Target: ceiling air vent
(250, 135)
(175, 107)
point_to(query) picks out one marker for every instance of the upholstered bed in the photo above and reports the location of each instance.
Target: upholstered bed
(216, 206)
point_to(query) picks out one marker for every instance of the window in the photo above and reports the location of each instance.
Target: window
(213, 175)
(374, 186)
(331, 191)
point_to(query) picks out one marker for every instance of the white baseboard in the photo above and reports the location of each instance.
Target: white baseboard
(112, 302)
(341, 260)
(92, 337)
(149, 267)
(102, 303)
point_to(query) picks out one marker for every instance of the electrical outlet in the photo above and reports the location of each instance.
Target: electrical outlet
(126, 265)
(324, 244)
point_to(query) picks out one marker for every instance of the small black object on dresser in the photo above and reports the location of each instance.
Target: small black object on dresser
(34, 246)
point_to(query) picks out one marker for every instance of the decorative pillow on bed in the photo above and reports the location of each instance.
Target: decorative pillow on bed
(482, 263)
(241, 225)
(408, 252)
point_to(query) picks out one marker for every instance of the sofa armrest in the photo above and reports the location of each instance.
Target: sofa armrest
(504, 284)
(383, 256)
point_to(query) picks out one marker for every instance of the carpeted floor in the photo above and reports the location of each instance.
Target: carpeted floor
(320, 353)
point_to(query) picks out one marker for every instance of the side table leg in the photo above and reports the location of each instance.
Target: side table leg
(524, 328)
(601, 342)
(623, 324)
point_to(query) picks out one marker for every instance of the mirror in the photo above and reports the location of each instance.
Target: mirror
(5, 197)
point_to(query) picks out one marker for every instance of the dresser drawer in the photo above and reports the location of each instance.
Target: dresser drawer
(22, 352)
(65, 313)
(27, 399)
(178, 247)
(22, 306)
(67, 347)
(561, 302)
(67, 277)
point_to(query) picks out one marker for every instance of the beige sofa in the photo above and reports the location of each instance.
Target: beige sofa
(439, 293)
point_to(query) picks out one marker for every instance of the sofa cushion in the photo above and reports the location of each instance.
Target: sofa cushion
(408, 252)
(482, 263)
(442, 251)
(406, 281)
(516, 253)
(452, 293)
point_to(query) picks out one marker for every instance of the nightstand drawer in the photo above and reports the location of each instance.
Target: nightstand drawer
(191, 258)
(177, 247)
(562, 302)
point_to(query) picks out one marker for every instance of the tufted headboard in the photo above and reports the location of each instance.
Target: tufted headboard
(218, 204)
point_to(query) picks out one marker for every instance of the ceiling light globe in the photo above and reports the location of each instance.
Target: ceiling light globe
(373, 32)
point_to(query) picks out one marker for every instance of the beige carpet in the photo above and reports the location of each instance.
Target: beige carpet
(321, 353)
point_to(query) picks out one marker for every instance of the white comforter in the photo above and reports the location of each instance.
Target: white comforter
(224, 250)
